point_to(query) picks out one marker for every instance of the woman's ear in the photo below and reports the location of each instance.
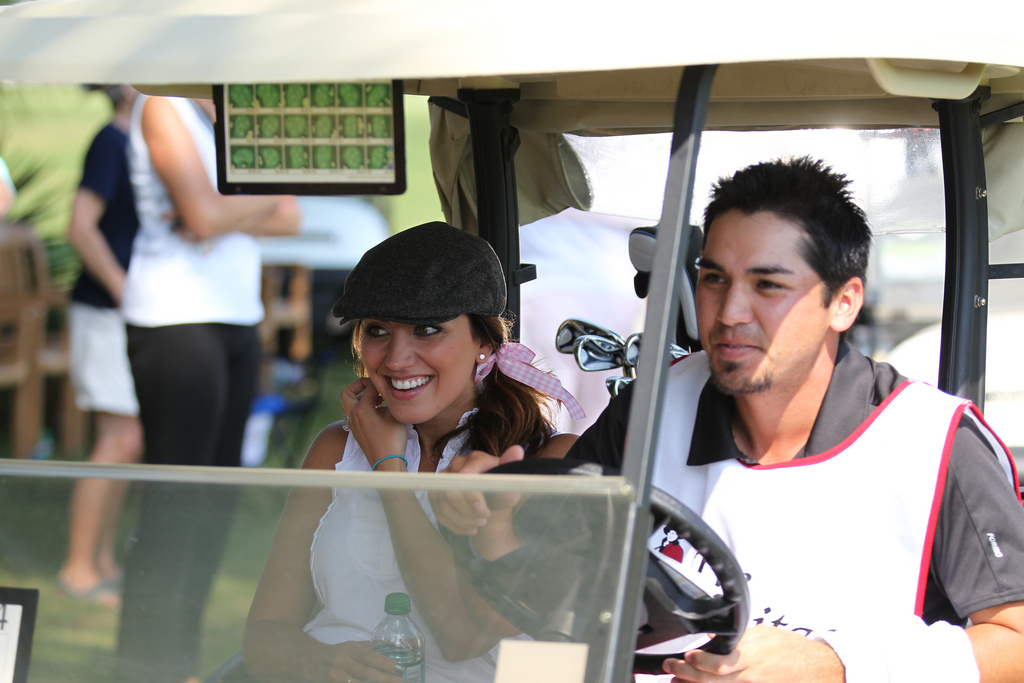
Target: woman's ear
(484, 352)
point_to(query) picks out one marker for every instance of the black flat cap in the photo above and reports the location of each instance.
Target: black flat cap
(424, 275)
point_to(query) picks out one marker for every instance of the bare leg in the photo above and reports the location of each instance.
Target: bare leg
(96, 506)
(126, 437)
(106, 563)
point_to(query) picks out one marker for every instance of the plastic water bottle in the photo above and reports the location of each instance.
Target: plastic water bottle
(397, 637)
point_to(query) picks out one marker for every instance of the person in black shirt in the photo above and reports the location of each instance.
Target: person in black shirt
(102, 229)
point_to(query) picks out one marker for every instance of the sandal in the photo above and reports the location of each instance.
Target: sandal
(101, 593)
(115, 582)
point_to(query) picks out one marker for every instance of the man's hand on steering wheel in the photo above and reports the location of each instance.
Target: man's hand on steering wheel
(764, 654)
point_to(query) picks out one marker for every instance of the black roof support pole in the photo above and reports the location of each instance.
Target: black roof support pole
(965, 298)
(659, 330)
(495, 142)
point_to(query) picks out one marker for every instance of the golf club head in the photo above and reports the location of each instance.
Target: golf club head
(574, 328)
(616, 384)
(631, 352)
(596, 353)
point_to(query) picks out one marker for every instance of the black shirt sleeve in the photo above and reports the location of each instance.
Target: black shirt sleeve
(604, 442)
(103, 163)
(978, 553)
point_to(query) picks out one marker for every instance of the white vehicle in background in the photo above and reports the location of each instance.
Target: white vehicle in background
(334, 234)
(917, 357)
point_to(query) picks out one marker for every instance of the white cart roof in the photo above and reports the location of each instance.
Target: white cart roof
(593, 69)
(216, 41)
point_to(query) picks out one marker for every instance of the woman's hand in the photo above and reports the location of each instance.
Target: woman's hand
(376, 431)
(356, 662)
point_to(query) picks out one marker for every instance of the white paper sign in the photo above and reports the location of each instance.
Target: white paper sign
(10, 629)
(540, 662)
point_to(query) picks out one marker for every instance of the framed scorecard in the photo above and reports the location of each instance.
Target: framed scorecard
(17, 623)
(337, 138)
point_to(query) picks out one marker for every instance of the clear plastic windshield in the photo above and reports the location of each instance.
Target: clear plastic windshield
(196, 542)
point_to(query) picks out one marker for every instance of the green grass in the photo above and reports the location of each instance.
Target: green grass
(69, 635)
(75, 642)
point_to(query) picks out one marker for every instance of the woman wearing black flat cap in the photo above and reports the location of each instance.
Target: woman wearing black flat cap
(438, 379)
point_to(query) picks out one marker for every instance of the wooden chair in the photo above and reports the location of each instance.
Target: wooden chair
(287, 306)
(27, 297)
(55, 364)
(23, 321)
(21, 330)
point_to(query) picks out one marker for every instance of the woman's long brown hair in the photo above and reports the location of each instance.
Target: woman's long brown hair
(509, 413)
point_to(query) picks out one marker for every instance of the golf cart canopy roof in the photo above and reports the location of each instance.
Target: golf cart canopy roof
(208, 41)
(871, 68)
(784, 65)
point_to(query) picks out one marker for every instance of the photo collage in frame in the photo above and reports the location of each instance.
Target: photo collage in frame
(300, 134)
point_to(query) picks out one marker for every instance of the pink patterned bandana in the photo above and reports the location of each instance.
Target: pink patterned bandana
(515, 360)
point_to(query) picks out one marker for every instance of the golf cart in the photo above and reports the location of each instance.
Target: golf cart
(532, 116)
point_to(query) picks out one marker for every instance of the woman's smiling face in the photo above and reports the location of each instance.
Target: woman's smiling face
(423, 372)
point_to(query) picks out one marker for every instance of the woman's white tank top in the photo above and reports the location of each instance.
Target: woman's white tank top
(172, 281)
(354, 567)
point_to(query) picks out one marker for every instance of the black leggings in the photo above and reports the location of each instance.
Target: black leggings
(196, 384)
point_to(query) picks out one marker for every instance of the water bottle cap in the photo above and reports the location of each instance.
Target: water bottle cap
(396, 603)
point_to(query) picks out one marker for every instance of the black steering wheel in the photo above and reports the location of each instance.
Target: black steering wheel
(553, 585)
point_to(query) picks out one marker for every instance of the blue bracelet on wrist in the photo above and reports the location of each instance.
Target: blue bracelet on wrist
(388, 458)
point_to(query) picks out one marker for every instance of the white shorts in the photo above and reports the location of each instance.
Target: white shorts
(99, 361)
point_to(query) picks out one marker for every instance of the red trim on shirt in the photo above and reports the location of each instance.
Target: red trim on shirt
(933, 517)
(1009, 455)
(680, 359)
(845, 443)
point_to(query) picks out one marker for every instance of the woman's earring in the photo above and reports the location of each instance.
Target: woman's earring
(482, 357)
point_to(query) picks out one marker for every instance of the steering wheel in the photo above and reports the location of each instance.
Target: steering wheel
(553, 585)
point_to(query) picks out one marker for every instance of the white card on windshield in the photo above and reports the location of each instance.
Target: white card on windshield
(17, 622)
(10, 629)
(540, 662)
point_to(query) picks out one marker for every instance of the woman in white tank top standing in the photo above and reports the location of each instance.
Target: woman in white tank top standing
(192, 302)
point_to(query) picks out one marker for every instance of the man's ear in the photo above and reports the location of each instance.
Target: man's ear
(846, 304)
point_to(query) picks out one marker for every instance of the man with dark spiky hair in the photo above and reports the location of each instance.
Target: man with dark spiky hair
(874, 516)
(878, 519)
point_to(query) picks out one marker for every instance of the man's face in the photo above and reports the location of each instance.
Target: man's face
(760, 305)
